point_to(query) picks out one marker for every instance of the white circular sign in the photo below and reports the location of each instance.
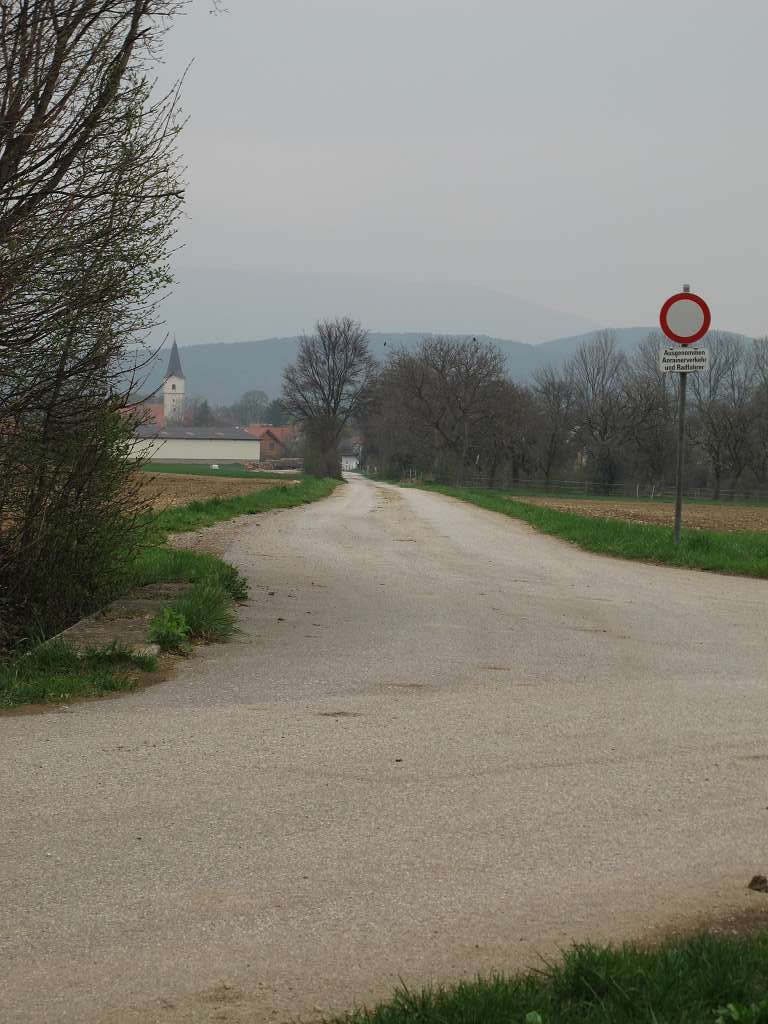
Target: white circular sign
(685, 317)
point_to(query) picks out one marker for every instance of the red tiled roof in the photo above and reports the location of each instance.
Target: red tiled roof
(282, 434)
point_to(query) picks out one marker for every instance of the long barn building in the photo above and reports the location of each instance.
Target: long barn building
(196, 444)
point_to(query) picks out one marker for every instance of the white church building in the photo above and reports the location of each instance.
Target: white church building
(168, 439)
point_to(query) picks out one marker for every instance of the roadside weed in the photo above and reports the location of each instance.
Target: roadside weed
(170, 631)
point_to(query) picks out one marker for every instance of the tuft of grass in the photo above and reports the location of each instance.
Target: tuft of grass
(692, 981)
(55, 672)
(207, 611)
(742, 553)
(235, 469)
(162, 565)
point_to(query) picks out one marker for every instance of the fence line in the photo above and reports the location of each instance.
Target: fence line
(588, 488)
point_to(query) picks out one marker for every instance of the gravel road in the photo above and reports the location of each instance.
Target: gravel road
(443, 744)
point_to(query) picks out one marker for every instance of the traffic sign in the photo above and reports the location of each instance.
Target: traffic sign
(683, 360)
(685, 318)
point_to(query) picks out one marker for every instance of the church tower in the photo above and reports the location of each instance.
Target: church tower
(174, 386)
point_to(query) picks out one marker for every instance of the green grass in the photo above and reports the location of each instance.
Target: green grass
(207, 611)
(235, 469)
(56, 673)
(203, 613)
(163, 565)
(741, 553)
(217, 510)
(702, 979)
(169, 630)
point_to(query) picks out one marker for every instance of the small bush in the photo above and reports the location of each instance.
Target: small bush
(170, 630)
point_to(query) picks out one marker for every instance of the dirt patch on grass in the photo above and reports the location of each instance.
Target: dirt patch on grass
(723, 518)
(167, 490)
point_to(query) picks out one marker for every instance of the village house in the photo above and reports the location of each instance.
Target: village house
(276, 442)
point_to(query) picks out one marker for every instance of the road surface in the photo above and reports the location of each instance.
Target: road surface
(442, 744)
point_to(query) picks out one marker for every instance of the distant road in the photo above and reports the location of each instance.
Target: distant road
(443, 744)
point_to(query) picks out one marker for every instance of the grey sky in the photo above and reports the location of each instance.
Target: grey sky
(588, 155)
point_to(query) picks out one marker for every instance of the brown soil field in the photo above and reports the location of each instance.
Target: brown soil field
(723, 518)
(166, 490)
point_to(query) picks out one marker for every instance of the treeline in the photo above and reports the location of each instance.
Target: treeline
(251, 407)
(449, 410)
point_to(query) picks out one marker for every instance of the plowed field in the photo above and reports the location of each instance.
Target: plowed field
(723, 518)
(166, 490)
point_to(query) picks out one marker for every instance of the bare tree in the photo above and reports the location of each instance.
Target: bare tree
(598, 370)
(328, 387)
(759, 445)
(506, 442)
(445, 390)
(724, 407)
(554, 394)
(650, 414)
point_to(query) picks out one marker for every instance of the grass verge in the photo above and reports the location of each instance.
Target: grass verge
(233, 470)
(55, 673)
(703, 979)
(198, 514)
(205, 612)
(159, 563)
(740, 553)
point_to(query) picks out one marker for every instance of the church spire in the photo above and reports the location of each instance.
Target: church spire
(174, 363)
(174, 387)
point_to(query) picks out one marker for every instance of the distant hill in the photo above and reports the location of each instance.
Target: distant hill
(216, 304)
(222, 372)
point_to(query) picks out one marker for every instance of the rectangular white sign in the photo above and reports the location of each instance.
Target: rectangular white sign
(683, 359)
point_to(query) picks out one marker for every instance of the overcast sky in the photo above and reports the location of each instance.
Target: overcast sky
(589, 155)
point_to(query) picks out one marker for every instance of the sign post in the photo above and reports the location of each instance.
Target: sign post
(679, 477)
(685, 319)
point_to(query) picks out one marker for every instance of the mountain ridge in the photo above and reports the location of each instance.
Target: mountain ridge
(222, 371)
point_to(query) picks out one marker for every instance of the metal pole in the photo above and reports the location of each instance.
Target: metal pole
(680, 456)
(680, 448)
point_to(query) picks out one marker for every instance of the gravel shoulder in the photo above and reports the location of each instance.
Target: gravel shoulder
(443, 744)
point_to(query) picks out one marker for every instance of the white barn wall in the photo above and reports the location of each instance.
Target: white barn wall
(188, 449)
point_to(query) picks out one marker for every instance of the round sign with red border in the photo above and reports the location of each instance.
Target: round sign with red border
(685, 318)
